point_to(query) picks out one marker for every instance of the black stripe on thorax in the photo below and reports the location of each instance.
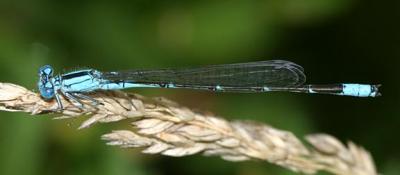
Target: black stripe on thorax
(76, 74)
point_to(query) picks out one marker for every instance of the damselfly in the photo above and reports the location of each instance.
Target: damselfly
(262, 76)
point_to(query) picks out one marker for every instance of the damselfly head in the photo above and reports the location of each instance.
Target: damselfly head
(45, 85)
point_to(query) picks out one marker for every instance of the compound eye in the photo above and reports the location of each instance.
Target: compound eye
(46, 90)
(46, 70)
(47, 93)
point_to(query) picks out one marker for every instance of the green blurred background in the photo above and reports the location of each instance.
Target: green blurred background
(334, 40)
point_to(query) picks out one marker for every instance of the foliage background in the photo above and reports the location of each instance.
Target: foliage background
(335, 41)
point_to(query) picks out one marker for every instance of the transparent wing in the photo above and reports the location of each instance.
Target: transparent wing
(272, 73)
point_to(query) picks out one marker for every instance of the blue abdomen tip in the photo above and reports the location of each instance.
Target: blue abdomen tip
(360, 90)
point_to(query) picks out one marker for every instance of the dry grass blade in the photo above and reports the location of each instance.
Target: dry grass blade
(164, 127)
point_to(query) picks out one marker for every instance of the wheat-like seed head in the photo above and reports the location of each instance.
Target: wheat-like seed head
(161, 126)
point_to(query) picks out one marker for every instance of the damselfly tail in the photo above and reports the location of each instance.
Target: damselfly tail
(345, 89)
